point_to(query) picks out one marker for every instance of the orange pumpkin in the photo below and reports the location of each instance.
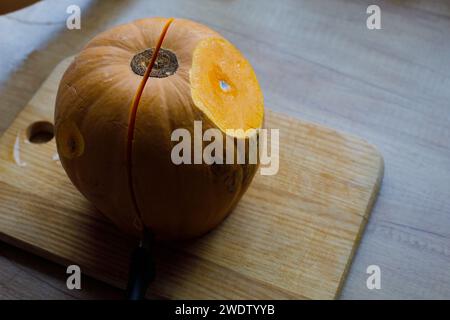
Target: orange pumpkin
(113, 126)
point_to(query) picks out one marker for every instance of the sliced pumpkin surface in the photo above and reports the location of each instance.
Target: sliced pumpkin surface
(224, 86)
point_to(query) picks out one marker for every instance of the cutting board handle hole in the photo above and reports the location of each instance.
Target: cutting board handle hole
(40, 132)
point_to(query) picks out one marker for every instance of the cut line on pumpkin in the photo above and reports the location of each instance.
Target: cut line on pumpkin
(132, 118)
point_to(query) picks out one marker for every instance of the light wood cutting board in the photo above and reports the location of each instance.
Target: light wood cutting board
(293, 235)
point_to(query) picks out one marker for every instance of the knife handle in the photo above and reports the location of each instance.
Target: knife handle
(142, 268)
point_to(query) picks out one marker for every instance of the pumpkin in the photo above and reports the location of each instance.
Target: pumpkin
(118, 104)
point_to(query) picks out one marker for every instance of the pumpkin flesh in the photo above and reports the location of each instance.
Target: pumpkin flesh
(224, 86)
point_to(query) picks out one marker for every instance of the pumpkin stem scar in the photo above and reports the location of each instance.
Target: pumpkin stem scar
(166, 63)
(133, 112)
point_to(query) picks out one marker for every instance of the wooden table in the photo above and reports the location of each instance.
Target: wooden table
(316, 60)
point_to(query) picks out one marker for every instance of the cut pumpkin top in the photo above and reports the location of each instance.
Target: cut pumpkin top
(224, 86)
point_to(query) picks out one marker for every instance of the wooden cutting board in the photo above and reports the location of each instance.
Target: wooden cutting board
(293, 235)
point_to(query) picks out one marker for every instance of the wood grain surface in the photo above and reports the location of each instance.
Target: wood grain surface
(316, 61)
(293, 234)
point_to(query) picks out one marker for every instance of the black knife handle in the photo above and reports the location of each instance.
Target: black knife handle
(142, 269)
